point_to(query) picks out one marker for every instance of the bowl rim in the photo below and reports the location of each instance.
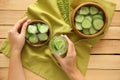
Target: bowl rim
(85, 4)
(44, 42)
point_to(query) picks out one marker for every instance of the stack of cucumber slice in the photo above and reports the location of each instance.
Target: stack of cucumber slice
(89, 20)
(58, 45)
(37, 33)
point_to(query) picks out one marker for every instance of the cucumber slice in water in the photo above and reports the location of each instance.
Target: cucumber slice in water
(43, 28)
(93, 10)
(78, 26)
(32, 29)
(92, 30)
(58, 45)
(43, 36)
(98, 16)
(86, 24)
(33, 39)
(98, 24)
(79, 18)
(84, 10)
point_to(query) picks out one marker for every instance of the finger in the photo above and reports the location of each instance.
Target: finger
(58, 58)
(71, 47)
(20, 23)
(24, 27)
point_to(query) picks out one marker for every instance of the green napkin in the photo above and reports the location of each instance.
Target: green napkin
(57, 14)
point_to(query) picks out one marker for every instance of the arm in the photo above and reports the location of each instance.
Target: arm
(17, 41)
(68, 63)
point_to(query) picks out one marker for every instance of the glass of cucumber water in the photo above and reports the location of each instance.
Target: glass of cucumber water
(38, 33)
(89, 19)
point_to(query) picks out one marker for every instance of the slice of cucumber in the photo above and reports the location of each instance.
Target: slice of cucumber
(43, 28)
(58, 44)
(89, 18)
(86, 24)
(43, 36)
(86, 31)
(93, 10)
(78, 26)
(27, 35)
(84, 10)
(33, 39)
(92, 30)
(98, 24)
(98, 16)
(32, 29)
(79, 18)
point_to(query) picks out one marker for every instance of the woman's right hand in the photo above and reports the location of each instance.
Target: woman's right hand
(68, 63)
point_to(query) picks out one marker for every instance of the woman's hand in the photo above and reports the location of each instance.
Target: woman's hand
(17, 35)
(68, 63)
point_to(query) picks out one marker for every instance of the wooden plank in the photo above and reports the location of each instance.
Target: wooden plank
(91, 75)
(113, 33)
(107, 47)
(96, 62)
(103, 75)
(102, 47)
(11, 17)
(29, 75)
(22, 5)
(115, 30)
(15, 4)
(104, 62)
(116, 19)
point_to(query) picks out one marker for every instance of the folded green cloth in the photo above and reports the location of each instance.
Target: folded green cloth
(57, 14)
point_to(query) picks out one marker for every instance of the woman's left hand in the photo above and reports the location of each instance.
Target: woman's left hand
(16, 37)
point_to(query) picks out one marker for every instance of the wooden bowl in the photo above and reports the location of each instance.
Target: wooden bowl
(40, 43)
(104, 16)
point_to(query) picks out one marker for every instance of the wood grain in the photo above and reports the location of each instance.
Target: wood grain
(96, 62)
(23, 4)
(11, 17)
(91, 75)
(103, 75)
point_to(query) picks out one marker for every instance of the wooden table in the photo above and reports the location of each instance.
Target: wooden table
(104, 61)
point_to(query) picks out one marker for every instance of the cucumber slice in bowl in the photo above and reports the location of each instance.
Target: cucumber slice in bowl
(86, 24)
(33, 39)
(92, 30)
(98, 24)
(79, 18)
(32, 29)
(43, 28)
(78, 26)
(93, 10)
(58, 45)
(43, 36)
(84, 10)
